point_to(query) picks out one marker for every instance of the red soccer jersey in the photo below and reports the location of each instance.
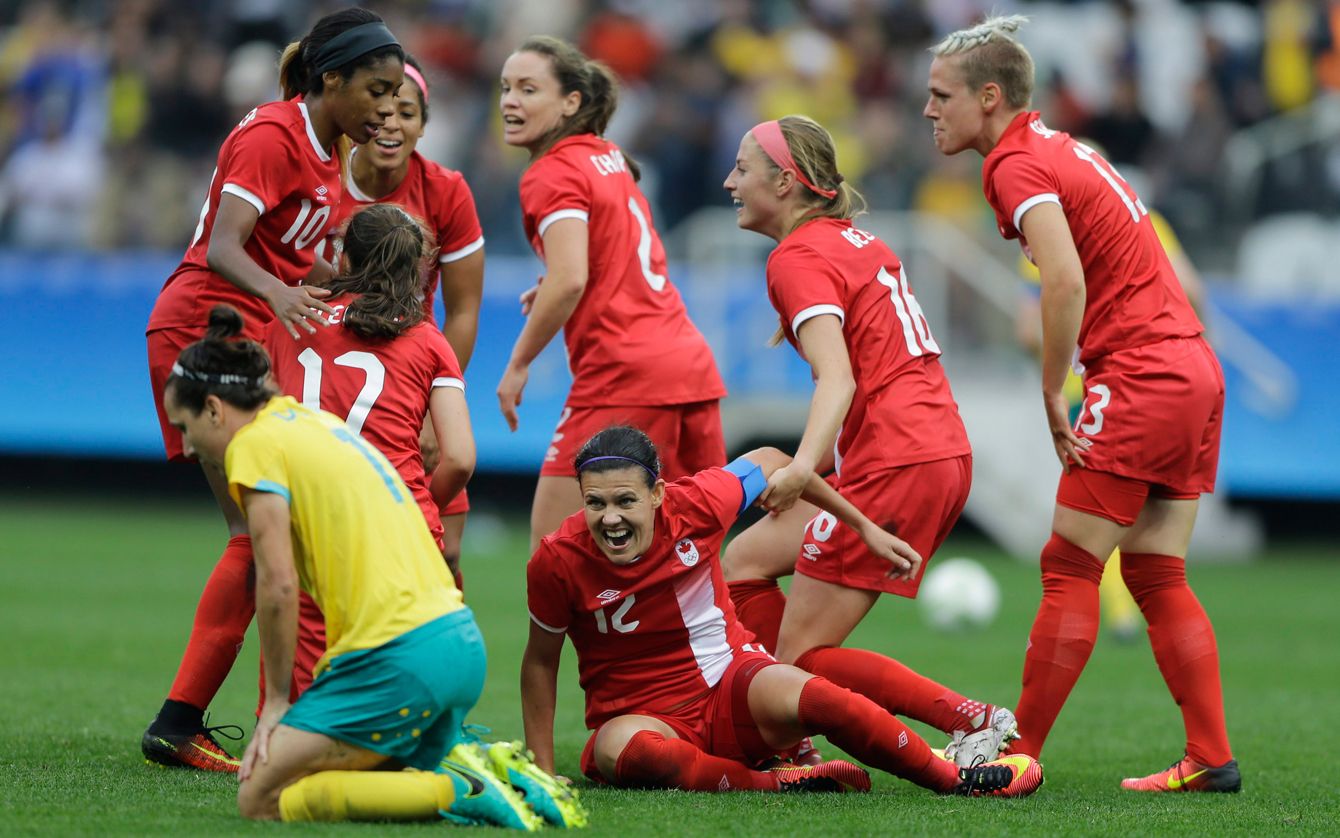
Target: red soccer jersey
(380, 387)
(652, 634)
(271, 160)
(630, 341)
(1133, 297)
(903, 411)
(438, 196)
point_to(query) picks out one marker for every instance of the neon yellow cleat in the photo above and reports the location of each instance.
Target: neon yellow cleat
(553, 800)
(480, 797)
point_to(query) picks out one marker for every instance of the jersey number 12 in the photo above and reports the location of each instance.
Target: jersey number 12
(372, 387)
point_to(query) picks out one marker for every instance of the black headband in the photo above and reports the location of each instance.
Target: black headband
(215, 377)
(350, 44)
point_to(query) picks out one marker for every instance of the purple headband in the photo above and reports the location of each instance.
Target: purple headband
(654, 477)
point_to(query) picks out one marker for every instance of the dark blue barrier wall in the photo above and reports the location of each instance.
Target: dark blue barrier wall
(73, 377)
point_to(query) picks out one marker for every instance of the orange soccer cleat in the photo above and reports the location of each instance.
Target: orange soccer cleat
(1188, 775)
(835, 775)
(196, 749)
(1016, 775)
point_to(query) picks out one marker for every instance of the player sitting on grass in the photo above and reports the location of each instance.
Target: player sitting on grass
(677, 691)
(404, 662)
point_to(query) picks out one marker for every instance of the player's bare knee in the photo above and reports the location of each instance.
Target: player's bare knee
(257, 803)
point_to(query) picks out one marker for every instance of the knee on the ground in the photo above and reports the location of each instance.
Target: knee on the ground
(256, 803)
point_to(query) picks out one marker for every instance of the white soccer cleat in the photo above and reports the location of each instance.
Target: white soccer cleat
(987, 742)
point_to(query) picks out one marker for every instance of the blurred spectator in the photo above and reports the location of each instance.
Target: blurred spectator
(49, 185)
(1124, 130)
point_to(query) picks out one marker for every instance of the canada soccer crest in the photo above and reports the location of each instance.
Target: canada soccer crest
(687, 552)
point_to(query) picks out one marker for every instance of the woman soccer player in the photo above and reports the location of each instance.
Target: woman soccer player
(277, 182)
(677, 693)
(1146, 444)
(882, 412)
(634, 354)
(389, 170)
(405, 662)
(382, 365)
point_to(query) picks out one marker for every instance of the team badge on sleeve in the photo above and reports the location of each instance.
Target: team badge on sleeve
(687, 552)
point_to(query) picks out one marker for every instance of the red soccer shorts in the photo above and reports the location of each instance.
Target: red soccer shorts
(164, 347)
(1154, 414)
(687, 436)
(1116, 498)
(718, 723)
(918, 503)
(458, 505)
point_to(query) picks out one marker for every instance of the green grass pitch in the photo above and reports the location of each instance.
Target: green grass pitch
(96, 602)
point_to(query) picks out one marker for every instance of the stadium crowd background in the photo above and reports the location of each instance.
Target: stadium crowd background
(112, 112)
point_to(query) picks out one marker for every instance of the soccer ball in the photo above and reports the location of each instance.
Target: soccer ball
(958, 594)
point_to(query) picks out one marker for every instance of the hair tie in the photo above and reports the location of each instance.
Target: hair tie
(840, 178)
(769, 136)
(215, 377)
(654, 476)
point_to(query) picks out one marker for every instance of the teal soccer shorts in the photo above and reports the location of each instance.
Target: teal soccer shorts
(406, 698)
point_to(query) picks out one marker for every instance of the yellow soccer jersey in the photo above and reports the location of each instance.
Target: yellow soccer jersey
(360, 542)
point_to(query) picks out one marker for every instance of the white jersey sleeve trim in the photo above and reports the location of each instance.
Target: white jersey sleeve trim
(449, 382)
(559, 215)
(1044, 198)
(464, 251)
(543, 625)
(311, 134)
(815, 311)
(250, 198)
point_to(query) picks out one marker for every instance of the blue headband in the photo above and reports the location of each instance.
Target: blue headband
(643, 466)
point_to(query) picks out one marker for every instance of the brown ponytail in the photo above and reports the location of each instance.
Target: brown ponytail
(384, 257)
(815, 154)
(236, 371)
(595, 81)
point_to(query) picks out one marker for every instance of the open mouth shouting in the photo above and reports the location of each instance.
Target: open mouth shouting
(617, 538)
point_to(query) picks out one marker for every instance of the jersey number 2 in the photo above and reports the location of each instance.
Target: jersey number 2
(372, 388)
(616, 619)
(916, 331)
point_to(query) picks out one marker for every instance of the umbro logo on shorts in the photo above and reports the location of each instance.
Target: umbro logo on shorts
(812, 550)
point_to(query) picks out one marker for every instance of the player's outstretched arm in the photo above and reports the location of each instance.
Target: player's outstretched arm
(228, 258)
(276, 612)
(825, 347)
(566, 271)
(539, 692)
(450, 418)
(881, 542)
(1063, 294)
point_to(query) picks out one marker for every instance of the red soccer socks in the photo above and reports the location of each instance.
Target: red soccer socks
(759, 604)
(649, 760)
(1061, 641)
(865, 730)
(1185, 649)
(221, 620)
(895, 687)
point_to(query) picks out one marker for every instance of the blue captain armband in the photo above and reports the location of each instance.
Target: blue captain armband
(751, 480)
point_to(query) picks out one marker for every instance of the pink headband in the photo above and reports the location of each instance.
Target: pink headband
(417, 77)
(769, 135)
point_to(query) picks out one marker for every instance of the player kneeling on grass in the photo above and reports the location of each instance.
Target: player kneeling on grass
(404, 660)
(677, 691)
